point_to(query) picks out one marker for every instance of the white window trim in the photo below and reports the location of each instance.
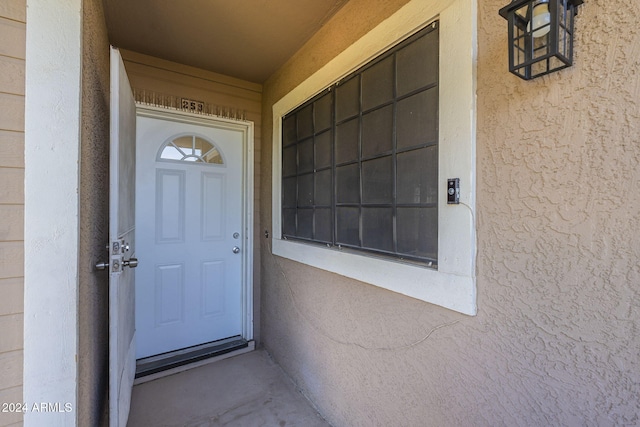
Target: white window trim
(453, 284)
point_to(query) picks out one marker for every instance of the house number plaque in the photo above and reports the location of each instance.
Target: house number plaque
(193, 106)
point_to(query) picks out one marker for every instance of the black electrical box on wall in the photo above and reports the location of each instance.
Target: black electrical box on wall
(453, 191)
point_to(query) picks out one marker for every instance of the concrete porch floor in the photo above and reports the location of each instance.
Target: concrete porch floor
(246, 390)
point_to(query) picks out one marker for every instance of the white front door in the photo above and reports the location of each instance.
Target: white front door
(122, 248)
(191, 231)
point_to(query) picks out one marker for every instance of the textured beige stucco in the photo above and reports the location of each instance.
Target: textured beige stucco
(93, 290)
(556, 340)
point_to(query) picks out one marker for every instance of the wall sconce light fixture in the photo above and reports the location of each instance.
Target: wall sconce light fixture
(540, 35)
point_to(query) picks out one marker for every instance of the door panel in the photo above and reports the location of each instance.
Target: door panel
(121, 243)
(190, 217)
(170, 200)
(213, 198)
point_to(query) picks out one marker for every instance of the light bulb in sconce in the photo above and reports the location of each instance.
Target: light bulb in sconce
(541, 19)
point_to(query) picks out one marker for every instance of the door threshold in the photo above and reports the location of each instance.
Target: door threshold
(154, 367)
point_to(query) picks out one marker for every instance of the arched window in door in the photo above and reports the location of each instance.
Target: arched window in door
(190, 148)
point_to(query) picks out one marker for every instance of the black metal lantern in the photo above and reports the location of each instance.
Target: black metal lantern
(540, 35)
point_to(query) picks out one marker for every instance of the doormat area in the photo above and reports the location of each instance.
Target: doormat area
(163, 362)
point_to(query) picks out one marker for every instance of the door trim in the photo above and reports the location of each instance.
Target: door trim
(247, 130)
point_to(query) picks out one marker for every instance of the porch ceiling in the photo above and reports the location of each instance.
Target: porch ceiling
(248, 39)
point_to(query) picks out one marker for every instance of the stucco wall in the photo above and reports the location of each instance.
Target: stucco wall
(556, 339)
(93, 291)
(12, 54)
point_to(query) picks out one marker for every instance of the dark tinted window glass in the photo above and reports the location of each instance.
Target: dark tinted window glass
(305, 156)
(377, 181)
(323, 150)
(348, 226)
(289, 131)
(348, 184)
(305, 190)
(305, 122)
(289, 190)
(289, 222)
(289, 161)
(323, 188)
(417, 120)
(360, 160)
(418, 176)
(323, 225)
(305, 223)
(377, 84)
(377, 228)
(377, 131)
(347, 140)
(418, 232)
(323, 113)
(418, 64)
(348, 99)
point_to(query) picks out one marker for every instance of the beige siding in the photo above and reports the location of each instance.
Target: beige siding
(13, 9)
(11, 338)
(11, 227)
(149, 73)
(12, 118)
(12, 301)
(11, 260)
(12, 54)
(12, 191)
(11, 368)
(12, 75)
(12, 148)
(13, 36)
(9, 395)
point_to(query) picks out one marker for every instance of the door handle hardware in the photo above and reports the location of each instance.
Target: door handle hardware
(102, 265)
(235, 249)
(131, 263)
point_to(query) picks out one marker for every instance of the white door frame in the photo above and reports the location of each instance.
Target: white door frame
(247, 130)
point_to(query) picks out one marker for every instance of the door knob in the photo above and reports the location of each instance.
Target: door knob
(102, 265)
(131, 263)
(235, 249)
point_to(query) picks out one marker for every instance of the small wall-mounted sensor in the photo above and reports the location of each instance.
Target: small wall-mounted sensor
(453, 191)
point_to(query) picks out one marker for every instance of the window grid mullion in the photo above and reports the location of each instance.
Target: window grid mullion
(332, 93)
(334, 180)
(360, 174)
(313, 163)
(297, 174)
(394, 149)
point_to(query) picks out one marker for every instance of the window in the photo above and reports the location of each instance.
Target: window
(451, 283)
(190, 148)
(360, 160)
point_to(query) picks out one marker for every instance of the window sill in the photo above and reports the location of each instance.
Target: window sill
(448, 290)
